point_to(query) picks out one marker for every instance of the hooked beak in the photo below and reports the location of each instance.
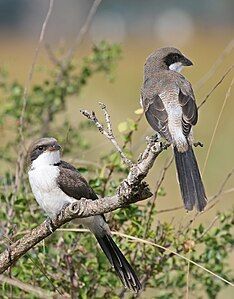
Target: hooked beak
(54, 147)
(186, 62)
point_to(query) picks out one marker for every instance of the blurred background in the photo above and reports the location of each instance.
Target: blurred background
(202, 29)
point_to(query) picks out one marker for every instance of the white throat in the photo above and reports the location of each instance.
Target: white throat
(177, 67)
(46, 158)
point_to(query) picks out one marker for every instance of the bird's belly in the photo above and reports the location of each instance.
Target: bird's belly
(53, 201)
(46, 191)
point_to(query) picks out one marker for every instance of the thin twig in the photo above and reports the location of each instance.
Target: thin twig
(228, 191)
(216, 64)
(213, 198)
(108, 132)
(187, 281)
(65, 61)
(175, 253)
(83, 30)
(51, 55)
(217, 124)
(21, 155)
(214, 87)
(210, 199)
(220, 191)
(129, 135)
(208, 228)
(170, 210)
(72, 275)
(107, 118)
(85, 162)
(215, 203)
(158, 246)
(30, 75)
(158, 185)
(33, 290)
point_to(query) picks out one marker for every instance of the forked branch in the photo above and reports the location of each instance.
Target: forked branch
(130, 190)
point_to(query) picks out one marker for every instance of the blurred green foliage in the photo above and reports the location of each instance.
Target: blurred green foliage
(70, 262)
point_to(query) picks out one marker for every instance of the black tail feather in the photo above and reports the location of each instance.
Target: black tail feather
(119, 262)
(191, 185)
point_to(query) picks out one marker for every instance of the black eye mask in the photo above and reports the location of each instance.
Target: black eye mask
(36, 153)
(172, 58)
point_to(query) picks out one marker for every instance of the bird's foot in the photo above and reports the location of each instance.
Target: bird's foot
(9, 251)
(63, 210)
(152, 140)
(164, 145)
(50, 225)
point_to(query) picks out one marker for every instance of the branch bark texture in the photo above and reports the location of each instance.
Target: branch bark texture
(131, 190)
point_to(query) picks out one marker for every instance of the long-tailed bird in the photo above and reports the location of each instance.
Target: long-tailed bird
(56, 183)
(170, 108)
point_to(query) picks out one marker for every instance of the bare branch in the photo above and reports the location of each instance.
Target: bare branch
(107, 118)
(131, 190)
(108, 132)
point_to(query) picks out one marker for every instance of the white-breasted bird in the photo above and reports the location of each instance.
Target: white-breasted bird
(56, 183)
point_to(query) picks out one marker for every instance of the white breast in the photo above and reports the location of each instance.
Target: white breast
(52, 199)
(177, 67)
(45, 189)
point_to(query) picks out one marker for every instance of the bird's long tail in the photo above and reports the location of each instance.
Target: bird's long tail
(119, 262)
(190, 181)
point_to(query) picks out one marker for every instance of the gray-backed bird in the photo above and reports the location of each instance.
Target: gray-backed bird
(56, 183)
(170, 108)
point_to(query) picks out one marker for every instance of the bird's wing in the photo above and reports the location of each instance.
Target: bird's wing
(187, 101)
(73, 183)
(156, 115)
(172, 86)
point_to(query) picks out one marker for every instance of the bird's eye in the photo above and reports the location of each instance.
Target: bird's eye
(40, 147)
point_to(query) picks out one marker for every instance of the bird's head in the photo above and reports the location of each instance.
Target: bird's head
(167, 58)
(42, 152)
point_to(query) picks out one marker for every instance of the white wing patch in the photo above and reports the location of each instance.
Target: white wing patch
(175, 113)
